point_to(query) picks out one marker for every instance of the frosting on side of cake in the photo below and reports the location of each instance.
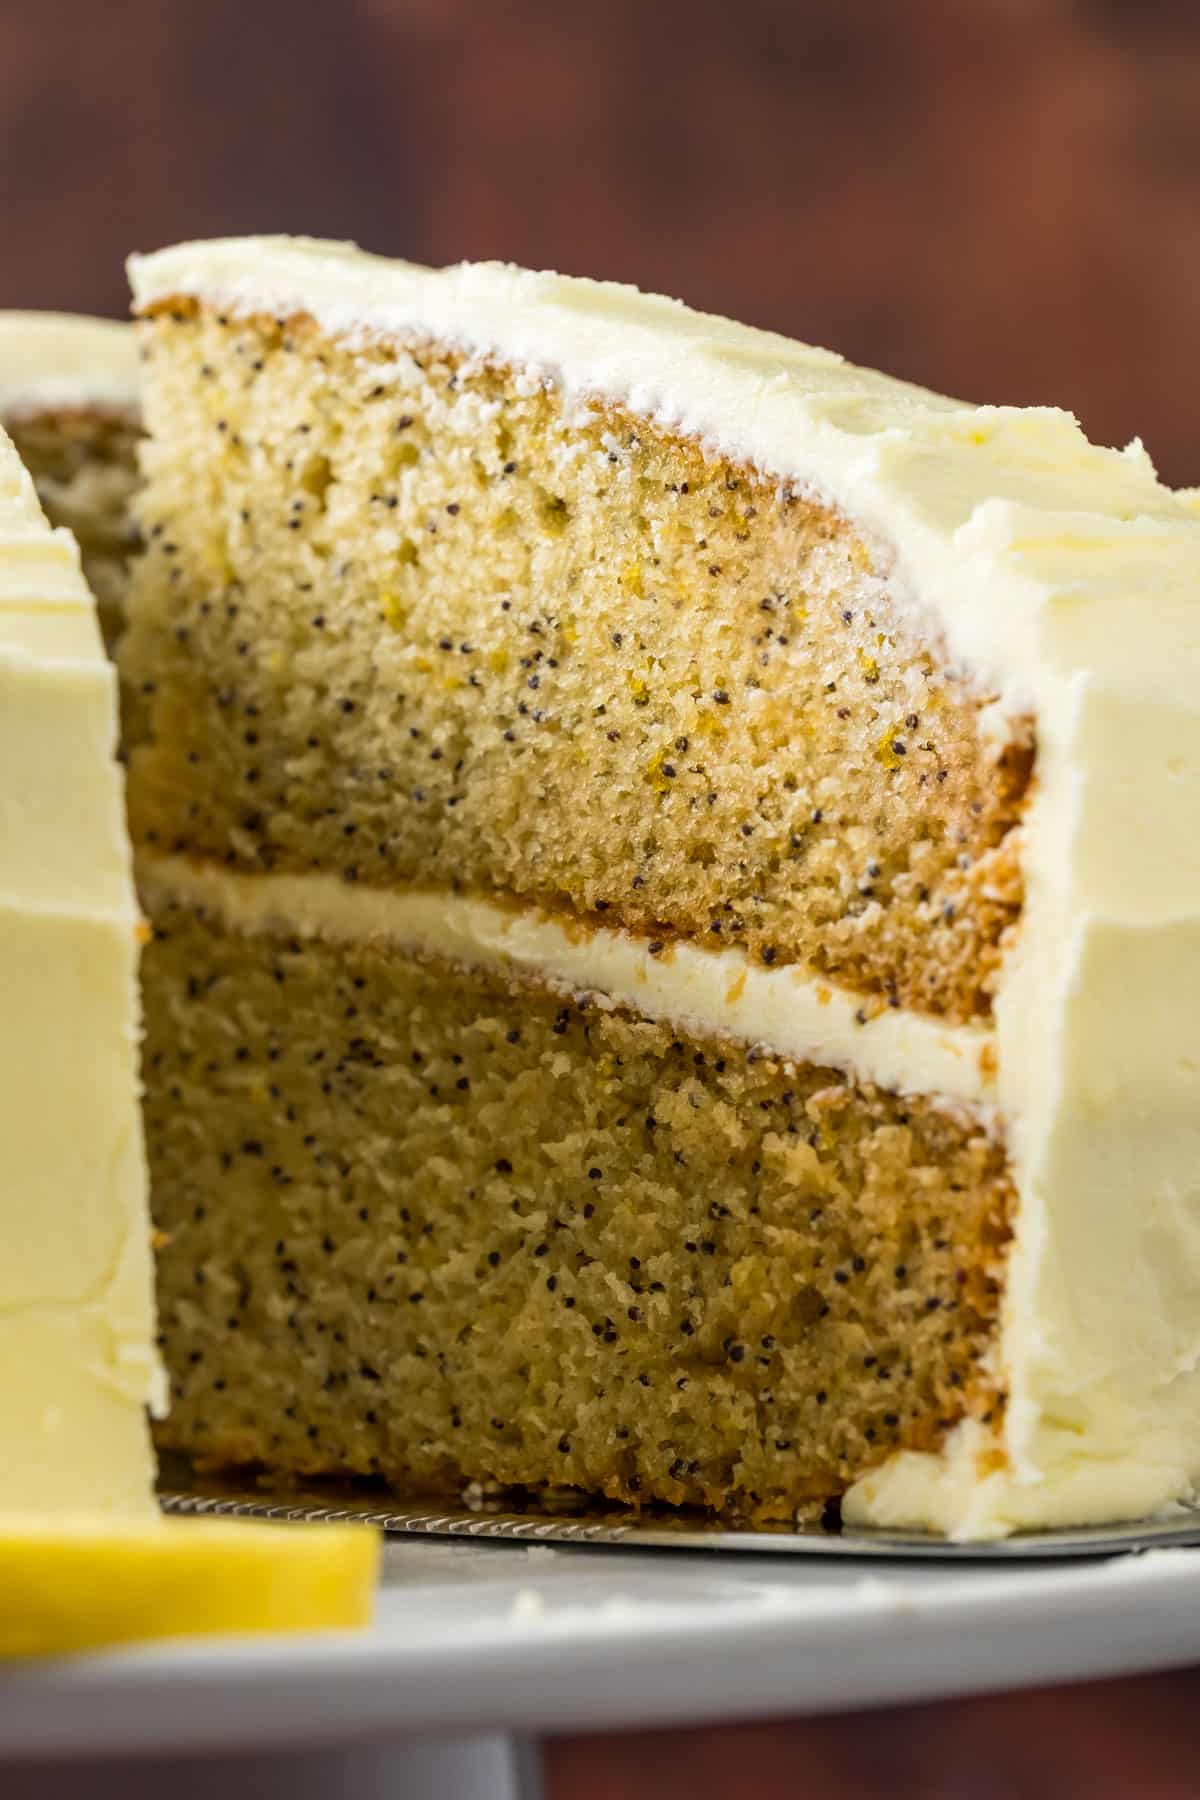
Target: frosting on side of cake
(720, 993)
(51, 361)
(1065, 578)
(77, 1365)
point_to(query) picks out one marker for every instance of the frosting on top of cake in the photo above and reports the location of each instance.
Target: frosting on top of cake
(77, 1365)
(63, 360)
(1067, 578)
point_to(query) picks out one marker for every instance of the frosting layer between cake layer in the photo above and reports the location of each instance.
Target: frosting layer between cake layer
(1065, 577)
(76, 1360)
(719, 993)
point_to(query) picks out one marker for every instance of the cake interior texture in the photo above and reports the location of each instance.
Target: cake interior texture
(83, 460)
(415, 622)
(426, 1224)
(389, 599)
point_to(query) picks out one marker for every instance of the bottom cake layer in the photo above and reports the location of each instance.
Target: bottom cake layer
(429, 1224)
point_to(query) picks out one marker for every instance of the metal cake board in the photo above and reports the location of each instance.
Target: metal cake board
(562, 1520)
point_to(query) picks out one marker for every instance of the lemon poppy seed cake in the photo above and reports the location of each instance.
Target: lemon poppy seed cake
(69, 402)
(676, 968)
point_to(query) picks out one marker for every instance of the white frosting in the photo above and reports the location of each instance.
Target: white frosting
(50, 360)
(77, 1366)
(717, 992)
(1068, 579)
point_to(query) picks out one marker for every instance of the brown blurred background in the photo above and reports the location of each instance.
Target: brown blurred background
(996, 197)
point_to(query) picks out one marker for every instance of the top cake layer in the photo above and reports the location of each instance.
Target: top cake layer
(461, 592)
(924, 473)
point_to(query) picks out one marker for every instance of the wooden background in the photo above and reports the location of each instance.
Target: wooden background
(997, 197)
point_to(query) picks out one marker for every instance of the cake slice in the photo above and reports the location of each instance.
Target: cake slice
(69, 401)
(77, 1364)
(673, 866)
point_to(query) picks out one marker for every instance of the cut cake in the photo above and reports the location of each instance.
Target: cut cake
(674, 880)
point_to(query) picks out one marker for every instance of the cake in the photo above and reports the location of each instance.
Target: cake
(77, 1361)
(675, 938)
(68, 399)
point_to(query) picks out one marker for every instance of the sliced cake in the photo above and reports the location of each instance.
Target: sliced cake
(676, 967)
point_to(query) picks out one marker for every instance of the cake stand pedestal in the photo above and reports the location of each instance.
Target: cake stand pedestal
(484, 1768)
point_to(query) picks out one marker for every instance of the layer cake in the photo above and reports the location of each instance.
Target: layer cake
(672, 865)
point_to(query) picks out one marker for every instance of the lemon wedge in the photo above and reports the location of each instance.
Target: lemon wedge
(82, 1584)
